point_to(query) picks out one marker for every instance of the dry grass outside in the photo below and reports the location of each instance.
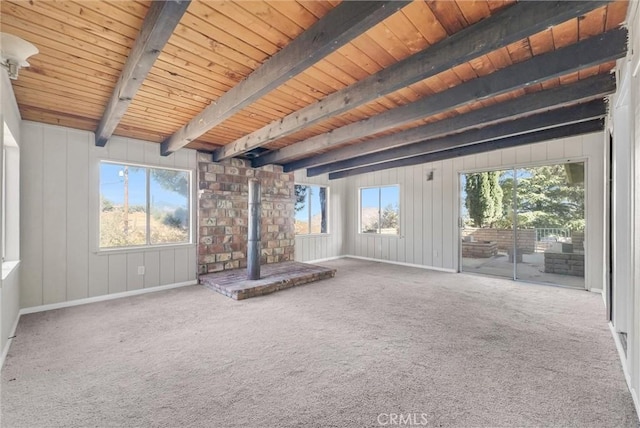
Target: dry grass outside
(302, 227)
(112, 230)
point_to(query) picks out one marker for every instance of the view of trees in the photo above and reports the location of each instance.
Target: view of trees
(548, 197)
(484, 198)
(124, 219)
(311, 209)
(388, 220)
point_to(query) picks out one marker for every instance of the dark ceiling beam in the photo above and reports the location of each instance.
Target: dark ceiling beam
(505, 27)
(589, 52)
(338, 27)
(537, 122)
(158, 26)
(595, 87)
(503, 143)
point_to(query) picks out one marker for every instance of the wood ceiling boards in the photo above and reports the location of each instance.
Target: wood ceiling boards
(216, 45)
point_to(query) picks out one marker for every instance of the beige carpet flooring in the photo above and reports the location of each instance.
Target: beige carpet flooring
(378, 340)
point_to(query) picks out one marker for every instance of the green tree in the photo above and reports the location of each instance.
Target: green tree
(546, 198)
(301, 196)
(484, 198)
(388, 219)
(175, 181)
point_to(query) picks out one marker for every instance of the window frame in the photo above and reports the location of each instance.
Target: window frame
(148, 244)
(380, 187)
(328, 210)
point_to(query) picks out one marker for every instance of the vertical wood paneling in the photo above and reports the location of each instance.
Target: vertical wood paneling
(469, 162)
(407, 191)
(181, 264)
(317, 247)
(449, 194)
(135, 152)
(430, 210)
(135, 281)
(482, 160)
(555, 149)
(418, 180)
(509, 156)
(60, 220)
(152, 269)
(117, 148)
(167, 268)
(192, 266)
(438, 209)
(31, 213)
(54, 216)
(538, 152)
(573, 147)
(427, 216)
(98, 275)
(117, 273)
(77, 226)
(405, 229)
(594, 148)
(455, 178)
(523, 154)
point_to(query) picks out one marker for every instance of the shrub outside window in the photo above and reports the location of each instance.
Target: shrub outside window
(379, 210)
(142, 206)
(311, 209)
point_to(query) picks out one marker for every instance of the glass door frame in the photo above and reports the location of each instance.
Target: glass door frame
(514, 167)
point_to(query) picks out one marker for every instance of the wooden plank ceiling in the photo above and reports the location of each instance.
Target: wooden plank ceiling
(217, 44)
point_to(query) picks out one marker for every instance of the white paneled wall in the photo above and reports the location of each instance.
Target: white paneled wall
(60, 203)
(318, 247)
(429, 209)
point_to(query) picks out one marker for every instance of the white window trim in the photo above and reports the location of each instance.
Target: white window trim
(328, 232)
(10, 202)
(193, 219)
(385, 235)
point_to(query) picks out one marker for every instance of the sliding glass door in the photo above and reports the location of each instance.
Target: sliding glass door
(525, 223)
(487, 233)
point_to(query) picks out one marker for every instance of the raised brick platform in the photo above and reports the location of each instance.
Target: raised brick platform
(273, 277)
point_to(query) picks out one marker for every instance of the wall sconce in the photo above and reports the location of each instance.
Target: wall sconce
(430, 175)
(14, 52)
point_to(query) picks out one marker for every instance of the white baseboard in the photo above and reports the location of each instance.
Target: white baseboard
(78, 302)
(7, 345)
(439, 269)
(328, 259)
(625, 371)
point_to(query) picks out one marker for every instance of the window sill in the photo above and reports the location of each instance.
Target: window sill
(8, 267)
(141, 249)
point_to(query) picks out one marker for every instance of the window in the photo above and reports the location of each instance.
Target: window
(311, 209)
(10, 201)
(379, 211)
(143, 206)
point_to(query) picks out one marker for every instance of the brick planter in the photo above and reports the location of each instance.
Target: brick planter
(479, 249)
(564, 263)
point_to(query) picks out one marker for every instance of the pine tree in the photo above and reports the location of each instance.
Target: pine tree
(484, 198)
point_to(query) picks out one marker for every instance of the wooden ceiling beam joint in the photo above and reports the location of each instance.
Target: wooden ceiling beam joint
(595, 87)
(338, 27)
(580, 128)
(595, 50)
(157, 27)
(507, 26)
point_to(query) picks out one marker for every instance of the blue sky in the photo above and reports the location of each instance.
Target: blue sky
(112, 187)
(386, 196)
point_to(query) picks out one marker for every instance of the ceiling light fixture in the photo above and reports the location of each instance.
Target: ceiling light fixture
(14, 52)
